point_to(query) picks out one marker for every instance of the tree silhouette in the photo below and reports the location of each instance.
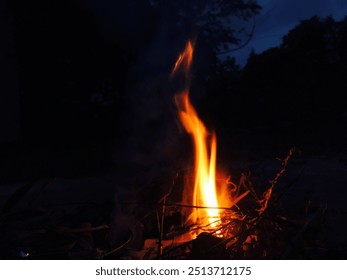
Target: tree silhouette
(212, 22)
(302, 78)
(296, 88)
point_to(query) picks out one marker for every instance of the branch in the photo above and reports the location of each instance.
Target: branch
(244, 44)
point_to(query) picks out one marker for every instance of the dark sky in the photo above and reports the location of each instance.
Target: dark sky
(279, 16)
(274, 21)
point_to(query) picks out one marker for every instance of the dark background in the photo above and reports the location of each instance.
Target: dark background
(85, 91)
(79, 81)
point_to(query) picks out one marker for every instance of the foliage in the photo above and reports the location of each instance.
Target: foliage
(304, 74)
(214, 23)
(213, 19)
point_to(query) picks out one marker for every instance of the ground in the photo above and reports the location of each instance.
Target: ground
(76, 214)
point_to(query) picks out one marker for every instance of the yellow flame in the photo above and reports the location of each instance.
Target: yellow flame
(205, 150)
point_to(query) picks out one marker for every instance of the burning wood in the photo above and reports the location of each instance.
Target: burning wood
(221, 225)
(238, 233)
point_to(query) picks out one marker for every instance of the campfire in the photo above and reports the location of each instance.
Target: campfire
(128, 142)
(213, 224)
(202, 194)
(194, 213)
(211, 221)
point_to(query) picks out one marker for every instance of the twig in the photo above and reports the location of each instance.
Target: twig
(161, 223)
(17, 196)
(267, 195)
(168, 252)
(119, 247)
(209, 207)
(244, 44)
(81, 230)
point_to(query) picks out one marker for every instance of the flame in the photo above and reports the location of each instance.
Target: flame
(205, 150)
(184, 59)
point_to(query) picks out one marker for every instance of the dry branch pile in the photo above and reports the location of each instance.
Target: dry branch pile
(151, 226)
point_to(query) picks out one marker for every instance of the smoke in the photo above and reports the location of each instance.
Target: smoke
(149, 133)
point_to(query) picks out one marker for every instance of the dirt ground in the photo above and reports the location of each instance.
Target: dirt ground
(312, 191)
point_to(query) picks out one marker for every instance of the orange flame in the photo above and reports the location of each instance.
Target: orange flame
(205, 150)
(184, 59)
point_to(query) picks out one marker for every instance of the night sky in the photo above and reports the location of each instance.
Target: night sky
(273, 22)
(279, 16)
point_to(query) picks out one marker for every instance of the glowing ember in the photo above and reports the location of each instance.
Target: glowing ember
(205, 147)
